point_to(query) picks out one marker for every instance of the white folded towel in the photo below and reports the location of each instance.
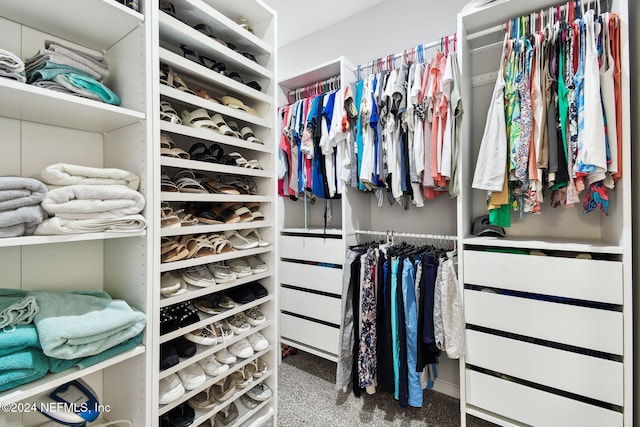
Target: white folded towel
(66, 174)
(93, 202)
(125, 224)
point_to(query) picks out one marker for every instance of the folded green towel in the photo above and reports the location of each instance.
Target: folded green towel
(16, 309)
(59, 365)
(19, 338)
(22, 367)
(76, 324)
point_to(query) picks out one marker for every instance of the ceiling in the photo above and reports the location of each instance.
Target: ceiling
(298, 18)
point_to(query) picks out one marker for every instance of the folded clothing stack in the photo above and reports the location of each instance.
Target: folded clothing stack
(84, 199)
(11, 66)
(20, 211)
(68, 70)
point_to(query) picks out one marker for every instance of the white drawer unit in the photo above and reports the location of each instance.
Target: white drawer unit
(310, 336)
(312, 247)
(316, 306)
(311, 277)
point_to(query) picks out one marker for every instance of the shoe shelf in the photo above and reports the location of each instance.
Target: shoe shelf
(209, 197)
(51, 381)
(35, 104)
(546, 243)
(198, 11)
(98, 23)
(186, 66)
(214, 228)
(259, 418)
(42, 240)
(243, 412)
(212, 136)
(204, 351)
(213, 167)
(194, 100)
(212, 380)
(197, 292)
(175, 33)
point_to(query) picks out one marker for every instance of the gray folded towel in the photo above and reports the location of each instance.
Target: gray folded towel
(57, 87)
(95, 62)
(20, 222)
(17, 192)
(19, 77)
(10, 61)
(47, 56)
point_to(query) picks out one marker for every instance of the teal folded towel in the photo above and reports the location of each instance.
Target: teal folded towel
(75, 324)
(83, 83)
(16, 308)
(22, 367)
(59, 365)
(18, 338)
(50, 70)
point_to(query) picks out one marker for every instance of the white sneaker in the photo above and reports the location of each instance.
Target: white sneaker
(241, 349)
(171, 284)
(192, 376)
(223, 356)
(258, 342)
(212, 367)
(197, 275)
(171, 389)
(222, 273)
(240, 267)
(257, 265)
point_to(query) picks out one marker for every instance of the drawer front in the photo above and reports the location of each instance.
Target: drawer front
(309, 333)
(563, 370)
(314, 277)
(590, 328)
(311, 305)
(534, 407)
(312, 249)
(585, 279)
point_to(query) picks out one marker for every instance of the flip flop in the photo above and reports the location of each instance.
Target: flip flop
(222, 125)
(249, 136)
(199, 118)
(218, 187)
(186, 182)
(232, 102)
(168, 114)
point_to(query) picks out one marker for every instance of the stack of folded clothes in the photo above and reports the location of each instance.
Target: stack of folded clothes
(11, 67)
(72, 71)
(50, 331)
(84, 199)
(20, 211)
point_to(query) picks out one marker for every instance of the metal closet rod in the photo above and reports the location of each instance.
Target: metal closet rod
(409, 235)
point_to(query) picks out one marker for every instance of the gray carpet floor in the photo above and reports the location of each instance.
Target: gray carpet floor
(307, 397)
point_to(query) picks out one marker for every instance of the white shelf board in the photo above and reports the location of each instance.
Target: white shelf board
(211, 198)
(312, 350)
(548, 243)
(51, 381)
(214, 228)
(186, 66)
(35, 104)
(190, 262)
(313, 231)
(195, 100)
(196, 292)
(213, 167)
(312, 75)
(245, 413)
(209, 135)
(260, 419)
(175, 33)
(40, 240)
(97, 24)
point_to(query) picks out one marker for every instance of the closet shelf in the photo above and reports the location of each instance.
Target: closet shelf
(176, 265)
(213, 167)
(312, 75)
(211, 198)
(212, 136)
(212, 380)
(243, 412)
(34, 104)
(175, 33)
(198, 11)
(51, 381)
(40, 240)
(260, 419)
(545, 243)
(499, 12)
(198, 101)
(308, 349)
(97, 24)
(188, 67)
(196, 292)
(311, 231)
(204, 351)
(217, 228)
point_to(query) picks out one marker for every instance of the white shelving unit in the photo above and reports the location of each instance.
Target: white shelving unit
(220, 17)
(42, 127)
(549, 322)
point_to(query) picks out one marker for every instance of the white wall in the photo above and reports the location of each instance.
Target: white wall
(386, 28)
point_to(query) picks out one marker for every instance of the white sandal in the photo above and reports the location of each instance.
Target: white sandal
(199, 119)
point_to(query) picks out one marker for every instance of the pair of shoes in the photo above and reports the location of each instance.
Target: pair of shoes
(180, 416)
(168, 148)
(257, 367)
(260, 392)
(254, 316)
(169, 78)
(238, 323)
(198, 275)
(192, 376)
(171, 351)
(212, 334)
(203, 60)
(227, 415)
(248, 402)
(258, 342)
(241, 378)
(241, 349)
(247, 293)
(232, 102)
(214, 303)
(171, 284)
(200, 119)
(222, 272)
(177, 316)
(169, 114)
(223, 356)
(171, 389)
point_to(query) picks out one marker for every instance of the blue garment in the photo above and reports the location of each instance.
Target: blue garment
(317, 163)
(394, 328)
(327, 111)
(359, 137)
(373, 122)
(411, 325)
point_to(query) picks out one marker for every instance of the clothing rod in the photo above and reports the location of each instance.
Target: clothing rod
(436, 43)
(409, 235)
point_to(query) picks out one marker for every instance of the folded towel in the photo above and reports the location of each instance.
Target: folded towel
(17, 192)
(20, 222)
(9, 61)
(74, 324)
(48, 70)
(79, 83)
(51, 85)
(36, 62)
(93, 202)
(125, 224)
(68, 174)
(96, 60)
(19, 77)
(18, 338)
(22, 367)
(17, 310)
(59, 365)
